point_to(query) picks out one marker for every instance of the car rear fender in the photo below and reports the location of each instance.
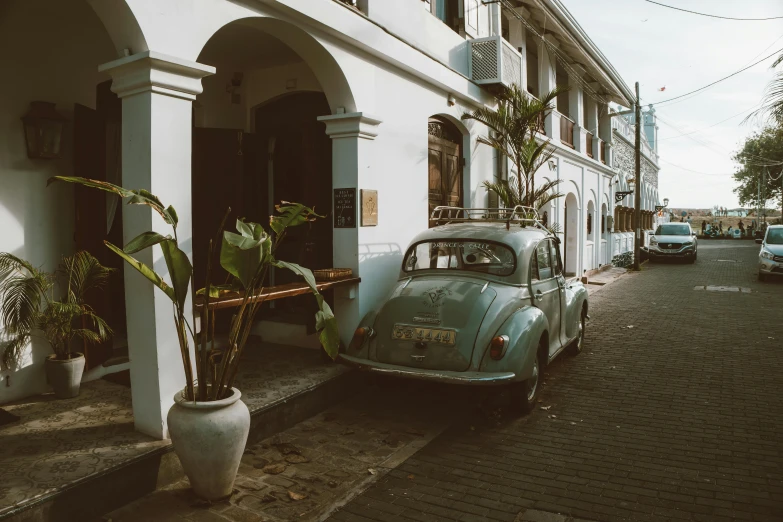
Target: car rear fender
(524, 329)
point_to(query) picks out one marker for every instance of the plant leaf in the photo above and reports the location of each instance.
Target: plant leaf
(92, 183)
(144, 270)
(325, 322)
(291, 215)
(241, 255)
(144, 240)
(180, 270)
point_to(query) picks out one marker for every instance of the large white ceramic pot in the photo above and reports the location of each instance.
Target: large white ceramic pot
(209, 438)
(65, 375)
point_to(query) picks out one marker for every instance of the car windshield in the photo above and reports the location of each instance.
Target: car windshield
(775, 236)
(461, 254)
(673, 230)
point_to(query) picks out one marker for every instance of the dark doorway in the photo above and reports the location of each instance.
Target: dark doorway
(445, 164)
(98, 215)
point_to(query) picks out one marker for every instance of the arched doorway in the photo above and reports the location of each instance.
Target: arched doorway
(604, 235)
(571, 233)
(590, 234)
(444, 164)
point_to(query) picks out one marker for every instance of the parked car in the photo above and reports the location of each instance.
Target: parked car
(481, 300)
(674, 240)
(771, 253)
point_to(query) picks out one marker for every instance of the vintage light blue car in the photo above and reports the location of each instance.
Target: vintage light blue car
(481, 300)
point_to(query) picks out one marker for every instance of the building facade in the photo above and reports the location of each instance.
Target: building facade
(244, 103)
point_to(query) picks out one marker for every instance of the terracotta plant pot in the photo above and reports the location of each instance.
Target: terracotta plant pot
(209, 439)
(65, 375)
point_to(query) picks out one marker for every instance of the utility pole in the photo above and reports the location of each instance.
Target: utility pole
(637, 243)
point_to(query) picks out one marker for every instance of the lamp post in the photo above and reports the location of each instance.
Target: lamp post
(637, 243)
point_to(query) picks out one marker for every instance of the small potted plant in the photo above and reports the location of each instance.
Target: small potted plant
(208, 422)
(28, 302)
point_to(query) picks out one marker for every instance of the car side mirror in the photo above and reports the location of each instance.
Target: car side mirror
(759, 241)
(693, 233)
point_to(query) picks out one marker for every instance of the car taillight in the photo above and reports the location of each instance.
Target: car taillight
(497, 347)
(359, 336)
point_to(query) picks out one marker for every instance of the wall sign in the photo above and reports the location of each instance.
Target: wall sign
(369, 208)
(345, 208)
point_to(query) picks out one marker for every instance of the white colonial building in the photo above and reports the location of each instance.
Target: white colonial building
(211, 103)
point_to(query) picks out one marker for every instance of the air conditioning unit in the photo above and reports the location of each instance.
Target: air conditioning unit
(493, 61)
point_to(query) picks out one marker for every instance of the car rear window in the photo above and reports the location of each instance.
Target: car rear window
(461, 254)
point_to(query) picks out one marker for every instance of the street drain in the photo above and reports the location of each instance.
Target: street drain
(736, 289)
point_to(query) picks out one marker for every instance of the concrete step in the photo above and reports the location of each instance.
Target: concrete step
(127, 481)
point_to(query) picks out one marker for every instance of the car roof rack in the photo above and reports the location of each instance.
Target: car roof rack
(523, 216)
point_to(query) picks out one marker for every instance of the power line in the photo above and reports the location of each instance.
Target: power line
(710, 126)
(715, 16)
(718, 81)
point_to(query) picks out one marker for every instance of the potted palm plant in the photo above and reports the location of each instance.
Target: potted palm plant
(28, 302)
(514, 125)
(208, 422)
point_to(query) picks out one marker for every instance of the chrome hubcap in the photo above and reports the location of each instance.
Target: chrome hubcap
(533, 382)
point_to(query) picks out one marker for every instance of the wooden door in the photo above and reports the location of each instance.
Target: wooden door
(445, 167)
(91, 227)
(217, 184)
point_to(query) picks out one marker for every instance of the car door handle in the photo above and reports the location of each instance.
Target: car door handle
(539, 296)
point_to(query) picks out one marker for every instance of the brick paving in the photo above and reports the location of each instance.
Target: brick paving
(673, 412)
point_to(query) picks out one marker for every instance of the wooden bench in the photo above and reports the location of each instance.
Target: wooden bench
(270, 293)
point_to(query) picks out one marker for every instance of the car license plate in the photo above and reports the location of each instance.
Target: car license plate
(405, 332)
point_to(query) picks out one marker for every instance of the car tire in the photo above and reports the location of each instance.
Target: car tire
(578, 345)
(525, 394)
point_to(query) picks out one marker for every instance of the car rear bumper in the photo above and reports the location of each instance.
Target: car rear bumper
(470, 378)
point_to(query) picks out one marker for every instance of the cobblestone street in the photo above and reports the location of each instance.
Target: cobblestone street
(672, 412)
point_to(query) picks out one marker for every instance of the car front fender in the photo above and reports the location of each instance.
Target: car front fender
(576, 298)
(524, 329)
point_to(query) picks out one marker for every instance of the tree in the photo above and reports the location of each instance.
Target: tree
(513, 129)
(767, 144)
(771, 108)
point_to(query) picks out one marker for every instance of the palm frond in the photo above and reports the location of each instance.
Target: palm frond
(21, 302)
(83, 272)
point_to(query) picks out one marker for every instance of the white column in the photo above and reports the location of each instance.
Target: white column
(576, 100)
(157, 93)
(352, 149)
(547, 82)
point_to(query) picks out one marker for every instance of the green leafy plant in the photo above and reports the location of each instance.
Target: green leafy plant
(27, 302)
(513, 127)
(247, 255)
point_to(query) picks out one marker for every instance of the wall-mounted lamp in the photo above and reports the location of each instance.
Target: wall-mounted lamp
(552, 165)
(665, 202)
(452, 101)
(43, 131)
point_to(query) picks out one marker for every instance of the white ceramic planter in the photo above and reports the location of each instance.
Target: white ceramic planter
(209, 438)
(65, 376)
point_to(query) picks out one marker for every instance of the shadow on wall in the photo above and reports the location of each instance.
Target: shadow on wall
(380, 267)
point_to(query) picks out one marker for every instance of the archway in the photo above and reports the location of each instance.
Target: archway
(604, 235)
(571, 232)
(445, 183)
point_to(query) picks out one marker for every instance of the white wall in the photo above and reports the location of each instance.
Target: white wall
(50, 51)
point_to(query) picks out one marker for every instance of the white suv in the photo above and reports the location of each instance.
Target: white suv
(771, 254)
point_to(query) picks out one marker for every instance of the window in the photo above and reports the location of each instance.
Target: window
(461, 254)
(561, 79)
(603, 223)
(589, 223)
(531, 53)
(473, 14)
(541, 265)
(556, 261)
(445, 10)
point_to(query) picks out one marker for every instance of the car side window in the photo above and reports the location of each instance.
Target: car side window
(544, 260)
(534, 266)
(556, 262)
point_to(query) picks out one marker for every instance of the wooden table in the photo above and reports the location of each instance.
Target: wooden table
(271, 293)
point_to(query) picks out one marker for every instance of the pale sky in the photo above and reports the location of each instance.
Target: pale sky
(661, 47)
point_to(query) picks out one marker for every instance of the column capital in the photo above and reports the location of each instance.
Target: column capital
(152, 71)
(351, 125)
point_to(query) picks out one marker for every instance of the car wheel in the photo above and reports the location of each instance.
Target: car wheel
(524, 394)
(579, 343)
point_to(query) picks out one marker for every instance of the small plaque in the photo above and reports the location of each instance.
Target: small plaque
(345, 208)
(369, 208)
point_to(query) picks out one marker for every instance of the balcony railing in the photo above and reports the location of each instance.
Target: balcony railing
(602, 152)
(566, 131)
(589, 144)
